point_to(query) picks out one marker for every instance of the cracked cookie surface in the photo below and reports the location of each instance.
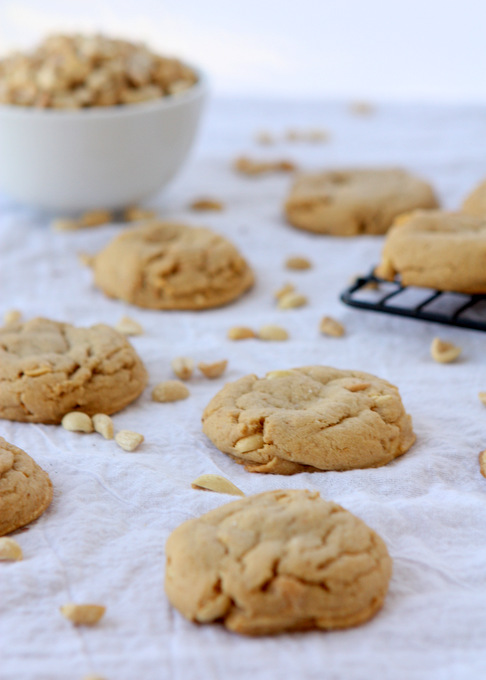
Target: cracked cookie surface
(307, 419)
(437, 249)
(355, 201)
(25, 489)
(172, 266)
(277, 561)
(48, 369)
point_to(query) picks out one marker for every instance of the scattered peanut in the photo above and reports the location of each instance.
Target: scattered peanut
(218, 484)
(331, 327)
(240, 333)
(292, 301)
(95, 218)
(281, 292)
(207, 204)
(65, 224)
(482, 397)
(128, 326)
(250, 443)
(10, 550)
(482, 463)
(136, 214)
(12, 316)
(264, 138)
(360, 108)
(272, 332)
(444, 352)
(94, 677)
(313, 136)
(183, 367)
(247, 166)
(83, 614)
(298, 262)
(76, 421)
(170, 390)
(128, 440)
(37, 371)
(103, 424)
(214, 370)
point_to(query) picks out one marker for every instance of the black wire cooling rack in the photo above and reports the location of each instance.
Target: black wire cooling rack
(390, 297)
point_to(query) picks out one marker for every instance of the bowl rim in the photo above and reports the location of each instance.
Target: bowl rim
(197, 90)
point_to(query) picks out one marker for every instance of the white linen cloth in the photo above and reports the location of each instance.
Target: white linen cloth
(102, 539)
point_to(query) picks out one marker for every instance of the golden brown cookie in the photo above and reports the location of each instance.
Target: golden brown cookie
(25, 489)
(172, 266)
(351, 202)
(48, 369)
(436, 249)
(278, 561)
(475, 202)
(308, 419)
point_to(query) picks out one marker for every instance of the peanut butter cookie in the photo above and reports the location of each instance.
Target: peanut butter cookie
(172, 266)
(278, 561)
(25, 489)
(351, 202)
(307, 419)
(436, 249)
(48, 369)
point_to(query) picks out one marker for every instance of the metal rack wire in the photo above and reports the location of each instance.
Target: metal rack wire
(390, 297)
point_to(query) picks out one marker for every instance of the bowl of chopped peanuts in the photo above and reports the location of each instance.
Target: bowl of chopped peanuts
(90, 122)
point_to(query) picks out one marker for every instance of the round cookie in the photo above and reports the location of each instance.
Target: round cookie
(277, 561)
(475, 202)
(172, 266)
(25, 489)
(435, 249)
(351, 202)
(48, 369)
(307, 419)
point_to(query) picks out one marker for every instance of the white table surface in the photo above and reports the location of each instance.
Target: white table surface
(102, 539)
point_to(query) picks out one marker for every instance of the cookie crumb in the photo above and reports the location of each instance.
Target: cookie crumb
(240, 333)
(129, 440)
(103, 424)
(218, 484)
(10, 550)
(298, 262)
(272, 332)
(83, 614)
(183, 367)
(77, 421)
(128, 326)
(12, 316)
(170, 390)
(207, 204)
(444, 352)
(331, 327)
(214, 370)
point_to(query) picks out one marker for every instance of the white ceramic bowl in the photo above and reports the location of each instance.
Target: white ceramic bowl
(67, 161)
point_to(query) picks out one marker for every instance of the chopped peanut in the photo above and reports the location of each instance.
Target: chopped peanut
(444, 352)
(183, 367)
(214, 370)
(330, 326)
(240, 333)
(129, 440)
(170, 390)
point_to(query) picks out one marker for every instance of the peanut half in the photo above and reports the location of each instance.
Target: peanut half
(216, 483)
(331, 327)
(136, 214)
(250, 443)
(291, 301)
(183, 367)
(444, 352)
(214, 370)
(272, 332)
(103, 424)
(128, 440)
(76, 421)
(82, 614)
(10, 550)
(240, 333)
(170, 390)
(128, 326)
(206, 204)
(298, 262)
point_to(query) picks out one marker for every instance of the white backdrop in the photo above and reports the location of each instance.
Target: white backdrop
(380, 49)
